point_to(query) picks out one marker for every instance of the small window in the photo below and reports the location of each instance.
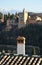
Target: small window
(21, 41)
(18, 41)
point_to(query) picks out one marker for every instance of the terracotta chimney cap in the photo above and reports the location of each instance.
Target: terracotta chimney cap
(21, 38)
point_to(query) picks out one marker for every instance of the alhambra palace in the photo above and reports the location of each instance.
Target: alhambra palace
(22, 19)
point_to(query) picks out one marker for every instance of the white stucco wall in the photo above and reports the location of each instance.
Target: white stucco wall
(21, 48)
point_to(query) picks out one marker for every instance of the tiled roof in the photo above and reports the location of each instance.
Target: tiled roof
(19, 60)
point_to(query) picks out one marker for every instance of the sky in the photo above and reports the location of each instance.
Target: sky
(29, 5)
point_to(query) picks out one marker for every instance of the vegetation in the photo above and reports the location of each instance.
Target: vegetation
(32, 32)
(6, 16)
(1, 15)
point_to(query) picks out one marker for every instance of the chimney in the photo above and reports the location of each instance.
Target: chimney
(21, 45)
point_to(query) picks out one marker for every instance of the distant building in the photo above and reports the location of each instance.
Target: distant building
(22, 18)
(38, 18)
(8, 22)
(8, 25)
(30, 21)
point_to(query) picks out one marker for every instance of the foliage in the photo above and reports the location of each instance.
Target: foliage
(32, 32)
(1, 15)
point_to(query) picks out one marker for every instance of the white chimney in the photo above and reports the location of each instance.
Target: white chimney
(21, 45)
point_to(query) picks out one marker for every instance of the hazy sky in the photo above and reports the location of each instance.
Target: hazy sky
(30, 5)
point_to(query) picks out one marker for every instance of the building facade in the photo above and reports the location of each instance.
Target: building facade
(22, 18)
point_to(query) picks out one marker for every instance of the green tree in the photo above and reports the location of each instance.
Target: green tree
(12, 16)
(5, 17)
(8, 15)
(1, 15)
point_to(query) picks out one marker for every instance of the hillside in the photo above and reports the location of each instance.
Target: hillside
(35, 14)
(32, 32)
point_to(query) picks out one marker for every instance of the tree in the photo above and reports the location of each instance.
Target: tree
(1, 15)
(5, 17)
(8, 15)
(12, 16)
